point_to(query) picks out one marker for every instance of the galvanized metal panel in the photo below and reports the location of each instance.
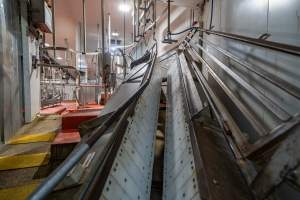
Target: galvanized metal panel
(254, 18)
(131, 174)
(10, 64)
(284, 21)
(180, 181)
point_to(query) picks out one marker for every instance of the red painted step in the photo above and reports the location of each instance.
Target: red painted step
(58, 109)
(72, 120)
(63, 144)
(67, 137)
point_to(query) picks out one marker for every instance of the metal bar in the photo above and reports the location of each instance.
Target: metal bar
(134, 20)
(169, 17)
(84, 25)
(104, 81)
(57, 175)
(274, 136)
(56, 66)
(290, 49)
(280, 83)
(257, 126)
(124, 38)
(137, 71)
(53, 27)
(277, 110)
(138, 18)
(219, 109)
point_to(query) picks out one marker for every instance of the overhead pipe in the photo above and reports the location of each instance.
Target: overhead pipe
(53, 28)
(124, 44)
(104, 81)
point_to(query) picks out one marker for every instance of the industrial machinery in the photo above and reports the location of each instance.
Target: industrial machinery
(206, 155)
(214, 117)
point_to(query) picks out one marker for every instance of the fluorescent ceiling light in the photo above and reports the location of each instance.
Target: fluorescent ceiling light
(59, 58)
(124, 7)
(115, 34)
(83, 66)
(113, 48)
(81, 60)
(47, 45)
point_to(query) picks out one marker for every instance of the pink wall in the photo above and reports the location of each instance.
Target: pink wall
(65, 25)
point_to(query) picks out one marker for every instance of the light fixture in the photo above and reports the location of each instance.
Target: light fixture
(47, 45)
(83, 66)
(115, 34)
(81, 60)
(59, 58)
(124, 7)
(113, 49)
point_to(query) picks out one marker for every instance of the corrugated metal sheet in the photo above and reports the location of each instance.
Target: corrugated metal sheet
(253, 18)
(10, 65)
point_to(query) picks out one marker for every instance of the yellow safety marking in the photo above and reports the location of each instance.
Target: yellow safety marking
(24, 161)
(18, 193)
(31, 138)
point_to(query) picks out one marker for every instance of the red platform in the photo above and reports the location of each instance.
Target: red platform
(58, 109)
(72, 120)
(67, 137)
(72, 116)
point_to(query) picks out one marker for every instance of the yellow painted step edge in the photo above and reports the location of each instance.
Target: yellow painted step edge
(31, 138)
(24, 161)
(18, 193)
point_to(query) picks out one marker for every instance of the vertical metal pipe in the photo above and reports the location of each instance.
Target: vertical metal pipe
(109, 32)
(53, 28)
(134, 21)
(124, 38)
(169, 17)
(154, 18)
(103, 51)
(84, 25)
(138, 18)
(98, 37)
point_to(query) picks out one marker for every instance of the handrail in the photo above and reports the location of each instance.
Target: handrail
(281, 47)
(286, 48)
(58, 174)
(71, 50)
(280, 83)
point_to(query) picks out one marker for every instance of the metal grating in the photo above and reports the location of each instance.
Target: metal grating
(180, 180)
(131, 173)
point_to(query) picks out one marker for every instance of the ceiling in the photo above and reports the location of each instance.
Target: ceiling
(73, 8)
(94, 13)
